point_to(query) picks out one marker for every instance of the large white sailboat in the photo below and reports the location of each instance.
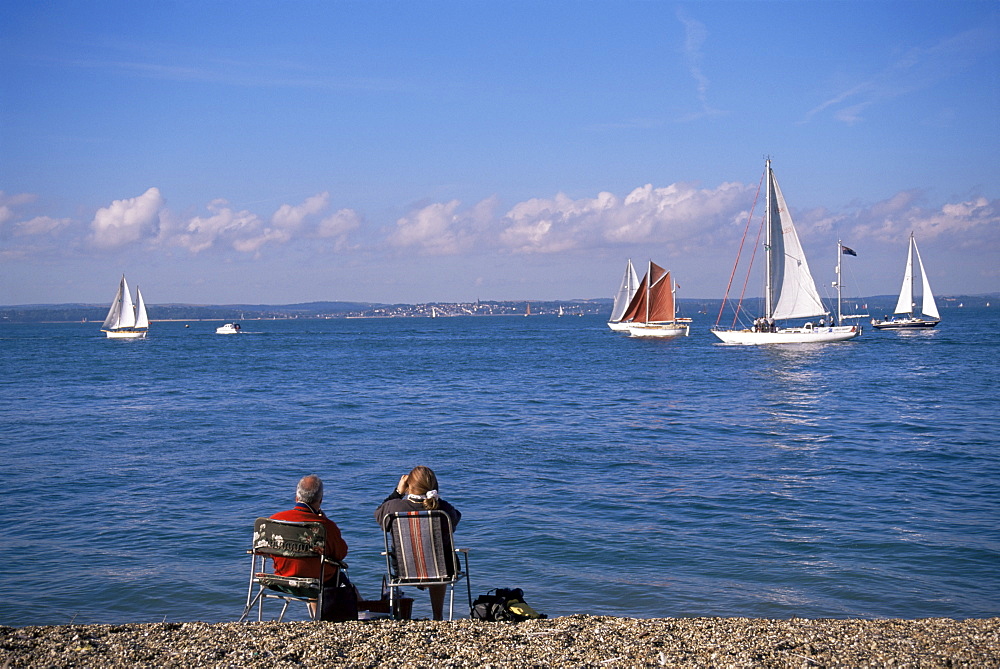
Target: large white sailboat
(905, 303)
(652, 311)
(630, 284)
(789, 290)
(125, 320)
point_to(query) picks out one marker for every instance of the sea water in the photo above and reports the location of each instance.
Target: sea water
(601, 474)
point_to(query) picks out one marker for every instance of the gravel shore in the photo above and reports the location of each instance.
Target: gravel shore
(577, 641)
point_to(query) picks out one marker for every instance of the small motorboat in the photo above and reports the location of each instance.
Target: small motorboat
(228, 328)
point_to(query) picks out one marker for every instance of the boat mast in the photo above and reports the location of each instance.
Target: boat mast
(913, 276)
(649, 287)
(768, 297)
(840, 257)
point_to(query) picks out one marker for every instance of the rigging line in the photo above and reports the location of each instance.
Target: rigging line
(746, 280)
(732, 275)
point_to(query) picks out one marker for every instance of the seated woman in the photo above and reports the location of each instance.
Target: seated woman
(418, 491)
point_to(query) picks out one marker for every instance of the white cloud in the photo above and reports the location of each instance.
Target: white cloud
(9, 202)
(440, 229)
(969, 223)
(41, 225)
(675, 220)
(247, 232)
(290, 217)
(671, 216)
(338, 227)
(127, 221)
(202, 232)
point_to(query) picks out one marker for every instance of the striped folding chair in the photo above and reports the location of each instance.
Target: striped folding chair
(419, 551)
(304, 541)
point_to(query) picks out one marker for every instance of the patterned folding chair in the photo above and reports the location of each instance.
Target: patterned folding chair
(283, 538)
(419, 551)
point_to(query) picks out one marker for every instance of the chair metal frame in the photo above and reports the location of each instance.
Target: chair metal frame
(288, 539)
(441, 567)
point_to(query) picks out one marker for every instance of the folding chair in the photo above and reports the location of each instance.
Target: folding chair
(419, 551)
(283, 538)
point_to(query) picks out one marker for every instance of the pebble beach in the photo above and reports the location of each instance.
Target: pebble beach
(571, 641)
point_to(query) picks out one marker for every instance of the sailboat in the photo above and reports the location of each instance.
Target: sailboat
(630, 284)
(652, 313)
(789, 290)
(905, 304)
(125, 321)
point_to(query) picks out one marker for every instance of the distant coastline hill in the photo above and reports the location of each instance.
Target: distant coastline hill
(36, 313)
(704, 311)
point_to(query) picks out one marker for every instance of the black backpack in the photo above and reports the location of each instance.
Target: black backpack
(503, 605)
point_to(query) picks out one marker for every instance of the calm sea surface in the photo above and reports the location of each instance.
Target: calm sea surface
(599, 473)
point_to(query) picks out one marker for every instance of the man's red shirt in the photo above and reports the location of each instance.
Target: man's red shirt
(336, 547)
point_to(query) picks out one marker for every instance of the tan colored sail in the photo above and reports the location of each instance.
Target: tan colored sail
(661, 300)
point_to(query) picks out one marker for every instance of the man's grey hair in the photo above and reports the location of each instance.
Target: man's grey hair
(310, 489)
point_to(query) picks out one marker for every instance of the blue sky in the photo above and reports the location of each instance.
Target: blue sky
(276, 152)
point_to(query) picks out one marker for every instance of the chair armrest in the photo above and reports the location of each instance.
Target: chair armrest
(339, 563)
(462, 550)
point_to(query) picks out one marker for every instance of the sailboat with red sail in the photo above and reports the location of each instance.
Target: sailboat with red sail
(652, 311)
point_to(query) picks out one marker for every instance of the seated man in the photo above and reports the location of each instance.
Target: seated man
(338, 603)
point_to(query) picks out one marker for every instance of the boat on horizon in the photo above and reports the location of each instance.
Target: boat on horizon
(789, 289)
(652, 311)
(125, 319)
(626, 291)
(905, 304)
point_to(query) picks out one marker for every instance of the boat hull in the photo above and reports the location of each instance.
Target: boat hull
(618, 326)
(125, 334)
(228, 328)
(905, 324)
(659, 330)
(804, 335)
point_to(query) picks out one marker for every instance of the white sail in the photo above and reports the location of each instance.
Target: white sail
(793, 291)
(905, 303)
(121, 314)
(929, 306)
(141, 319)
(111, 320)
(630, 283)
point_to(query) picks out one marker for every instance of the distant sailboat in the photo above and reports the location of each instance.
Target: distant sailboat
(789, 290)
(627, 290)
(905, 304)
(125, 320)
(652, 312)
(527, 310)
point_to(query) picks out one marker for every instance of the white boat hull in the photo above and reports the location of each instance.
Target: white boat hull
(125, 334)
(804, 335)
(661, 330)
(228, 328)
(618, 326)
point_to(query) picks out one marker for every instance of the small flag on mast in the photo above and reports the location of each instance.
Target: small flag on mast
(847, 251)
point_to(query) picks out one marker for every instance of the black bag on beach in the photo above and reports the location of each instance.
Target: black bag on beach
(340, 603)
(503, 605)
